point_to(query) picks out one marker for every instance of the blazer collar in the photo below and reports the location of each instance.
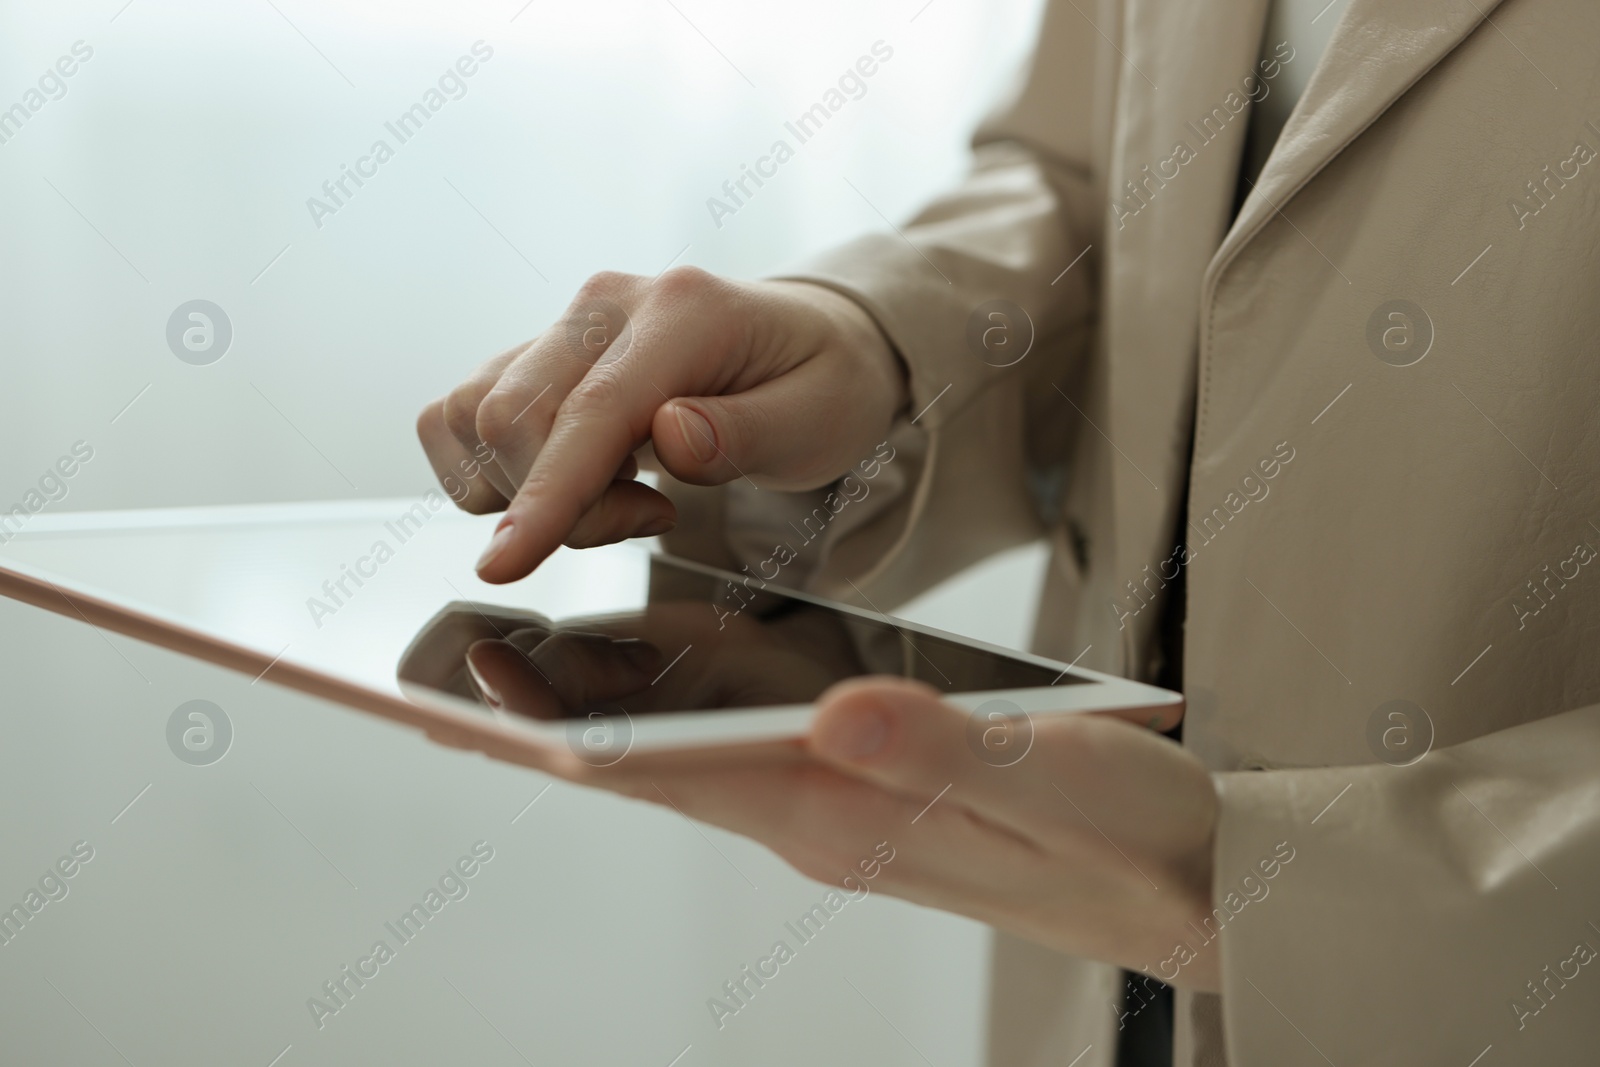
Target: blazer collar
(1379, 49)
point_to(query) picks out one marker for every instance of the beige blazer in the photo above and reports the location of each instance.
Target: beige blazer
(1390, 366)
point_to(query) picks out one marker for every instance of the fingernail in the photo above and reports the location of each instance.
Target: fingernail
(856, 736)
(697, 434)
(655, 527)
(642, 655)
(501, 538)
(491, 696)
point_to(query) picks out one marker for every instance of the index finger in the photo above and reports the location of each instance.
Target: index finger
(601, 422)
(596, 429)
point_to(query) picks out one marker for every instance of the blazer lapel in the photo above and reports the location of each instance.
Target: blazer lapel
(1179, 131)
(1379, 49)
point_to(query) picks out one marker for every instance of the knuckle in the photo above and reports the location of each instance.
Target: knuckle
(685, 281)
(428, 418)
(604, 285)
(598, 390)
(495, 420)
(598, 316)
(461, 412)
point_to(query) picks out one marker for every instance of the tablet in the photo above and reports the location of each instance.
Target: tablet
(604, 657)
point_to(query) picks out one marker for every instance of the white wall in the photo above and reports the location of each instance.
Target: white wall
(189, 143)
(192, 139)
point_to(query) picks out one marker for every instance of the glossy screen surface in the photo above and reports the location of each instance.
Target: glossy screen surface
(371, 590)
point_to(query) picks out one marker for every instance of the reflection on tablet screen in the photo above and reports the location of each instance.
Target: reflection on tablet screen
(697, 644)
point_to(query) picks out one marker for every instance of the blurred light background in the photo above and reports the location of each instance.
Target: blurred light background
(175, 164)
(178, 164)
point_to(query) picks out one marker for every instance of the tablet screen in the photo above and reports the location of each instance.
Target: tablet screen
(377, 592)
(698, 641)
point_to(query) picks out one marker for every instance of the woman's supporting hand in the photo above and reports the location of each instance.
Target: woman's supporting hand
(1097, 842)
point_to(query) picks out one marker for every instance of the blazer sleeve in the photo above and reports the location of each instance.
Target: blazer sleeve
(958, 486)
(1464, 887)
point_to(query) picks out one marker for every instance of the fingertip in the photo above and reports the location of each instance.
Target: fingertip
(511, 553)
(481, 668)
(488, 566)
(529, 533)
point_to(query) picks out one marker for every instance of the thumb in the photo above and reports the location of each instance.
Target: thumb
(1160, 718)
(786, 432)
(901, 735)
(706, 440)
